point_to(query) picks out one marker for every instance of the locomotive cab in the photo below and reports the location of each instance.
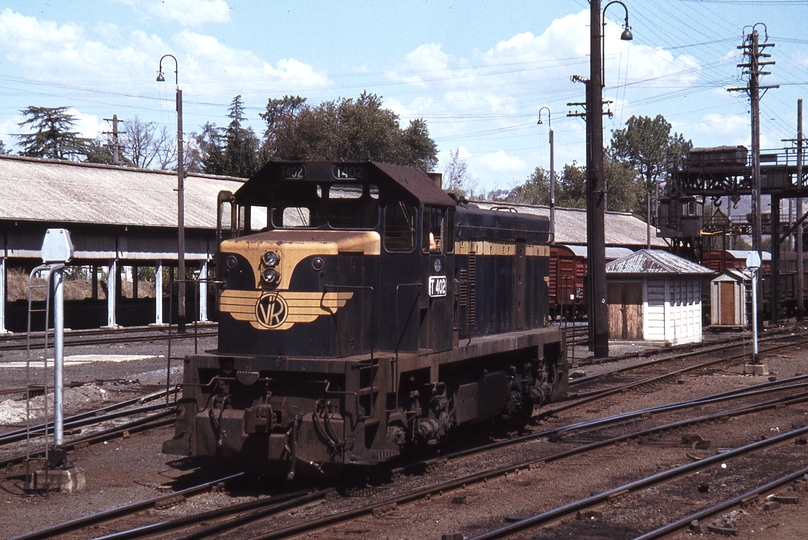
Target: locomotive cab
(347, 290)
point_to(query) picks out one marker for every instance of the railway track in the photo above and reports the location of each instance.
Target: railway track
(692, 360)
(77, 338)
(582, 438)
(91, 427)
(732, 457)
(587, 436)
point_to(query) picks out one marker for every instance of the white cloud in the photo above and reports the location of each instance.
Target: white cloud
(192, 13)
(730, 130)
(426, 62)
(88, 125)
(501, 161)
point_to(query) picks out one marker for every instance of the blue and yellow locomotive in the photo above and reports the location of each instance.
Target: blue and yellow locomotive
(365, 313)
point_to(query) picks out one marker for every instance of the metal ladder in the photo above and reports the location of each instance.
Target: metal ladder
(32, 449)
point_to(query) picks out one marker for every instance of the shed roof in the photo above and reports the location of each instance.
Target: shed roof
(742, 254)
(622, 229)
(63, 191)
(733, 275)
(611, 252)
(656, 262)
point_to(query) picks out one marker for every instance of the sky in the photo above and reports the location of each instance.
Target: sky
(478, 72)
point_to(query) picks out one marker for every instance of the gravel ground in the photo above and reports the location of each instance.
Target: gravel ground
(132, 469)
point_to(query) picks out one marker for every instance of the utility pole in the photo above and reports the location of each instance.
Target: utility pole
(552, 173)
(752, 50)
(596, 194)
(115, 145)
(800, 264)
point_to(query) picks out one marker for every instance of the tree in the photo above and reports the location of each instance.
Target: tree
(535, 191)
(241, 148)
(3, 150)
(231, 151)
(456, 178)
(98, 151)
(344, 130)
(143, 143)
(625, 189)
(647, 145)
(570, 188)
(418, 149)
(52, 135)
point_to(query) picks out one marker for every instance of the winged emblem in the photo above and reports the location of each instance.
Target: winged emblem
(280, 311)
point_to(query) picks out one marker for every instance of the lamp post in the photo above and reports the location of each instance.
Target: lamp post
(552, 173)
(596, 185)
(180, 196)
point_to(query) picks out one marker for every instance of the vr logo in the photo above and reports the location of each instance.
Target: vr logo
(271, 310)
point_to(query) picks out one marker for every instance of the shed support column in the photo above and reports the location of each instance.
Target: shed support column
(203, 292)
(112, 290)
(94, 294)
(3, 296)
(158, 293)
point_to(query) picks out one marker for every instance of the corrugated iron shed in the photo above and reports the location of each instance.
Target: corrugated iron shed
(66, 192)
(622, 229)
(657, 263)
(611, 252)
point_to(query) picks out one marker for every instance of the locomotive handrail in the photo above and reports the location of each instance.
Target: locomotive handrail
(401, 335)
(174, 286)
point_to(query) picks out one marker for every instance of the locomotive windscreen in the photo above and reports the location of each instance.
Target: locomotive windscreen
(339, 205)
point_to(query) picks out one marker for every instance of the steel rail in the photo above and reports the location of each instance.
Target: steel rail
(95, 416)
(115, 336)
(670, 358)
(603, 422)
(500, 471)
(643, 483)
(265, 506)
(570, 429)
(85, 521)
(598, 394)
(144, 424)
(685, 522)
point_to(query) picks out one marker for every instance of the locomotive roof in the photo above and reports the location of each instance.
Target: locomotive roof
(406, 181)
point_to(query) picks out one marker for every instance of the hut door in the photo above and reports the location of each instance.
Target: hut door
(727, 303)
(625, 311)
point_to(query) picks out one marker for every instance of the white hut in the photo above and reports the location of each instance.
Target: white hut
(655, 296)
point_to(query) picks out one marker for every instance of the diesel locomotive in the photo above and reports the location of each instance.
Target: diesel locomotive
(364, 314)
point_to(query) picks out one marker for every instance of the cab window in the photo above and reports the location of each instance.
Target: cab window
(436, 231)
(399, 227)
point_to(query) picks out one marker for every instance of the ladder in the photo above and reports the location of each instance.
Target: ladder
(34, 410)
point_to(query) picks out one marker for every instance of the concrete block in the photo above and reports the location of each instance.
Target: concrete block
(723, 529)
(65, 480)
(589, 514)
(756, 369)
(771, 505)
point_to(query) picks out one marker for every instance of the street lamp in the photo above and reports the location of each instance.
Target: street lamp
(180, 195)
(596, 185)
(625, 36)
(552, 173)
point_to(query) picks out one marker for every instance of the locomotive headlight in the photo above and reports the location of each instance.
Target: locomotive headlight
(270, 276)
(270, 258)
